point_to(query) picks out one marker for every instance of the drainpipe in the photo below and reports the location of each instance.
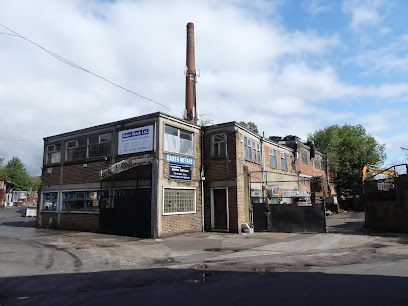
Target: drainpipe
(202, 178)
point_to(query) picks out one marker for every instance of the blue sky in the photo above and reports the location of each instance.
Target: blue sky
(290, 66)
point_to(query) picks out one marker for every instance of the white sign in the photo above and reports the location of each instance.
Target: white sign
(135, 140)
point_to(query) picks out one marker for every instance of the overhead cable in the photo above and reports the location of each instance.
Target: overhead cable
(68, 62)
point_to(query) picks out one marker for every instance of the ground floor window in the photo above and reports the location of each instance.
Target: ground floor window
(49, 201)
(179, 201)
(82, 200)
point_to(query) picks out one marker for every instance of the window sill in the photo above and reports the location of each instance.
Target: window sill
(179, 213)
(88, 212)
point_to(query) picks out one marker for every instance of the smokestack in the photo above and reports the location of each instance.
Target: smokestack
(190, 112)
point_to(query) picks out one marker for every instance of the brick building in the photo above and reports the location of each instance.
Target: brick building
(139, 176)
(241, 168)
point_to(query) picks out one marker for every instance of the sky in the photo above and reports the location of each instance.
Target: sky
(292, 67)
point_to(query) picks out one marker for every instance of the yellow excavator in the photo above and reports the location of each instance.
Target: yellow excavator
(367, 169)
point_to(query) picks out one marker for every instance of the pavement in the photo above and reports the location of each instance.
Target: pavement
(348, 265)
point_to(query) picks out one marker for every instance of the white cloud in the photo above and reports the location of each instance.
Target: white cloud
(316, 7)
(365, 13)
(252, 68)
(389, 58)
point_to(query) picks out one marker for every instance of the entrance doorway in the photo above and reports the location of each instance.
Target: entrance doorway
(219, 209)
(130, 214)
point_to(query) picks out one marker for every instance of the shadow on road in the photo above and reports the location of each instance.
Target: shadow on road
(12, 217)
(202, 287)
(357, 227)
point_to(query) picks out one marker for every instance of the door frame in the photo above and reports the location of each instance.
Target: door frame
(226, 207)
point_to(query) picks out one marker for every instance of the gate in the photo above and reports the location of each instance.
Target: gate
(290, 204)
(128, 210)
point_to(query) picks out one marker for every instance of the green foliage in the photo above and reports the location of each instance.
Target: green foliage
(347, 148)
(249, 125)
(16, 173)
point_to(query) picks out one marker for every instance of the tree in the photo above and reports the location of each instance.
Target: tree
(347, 148)
(16, 173)
(249, 125)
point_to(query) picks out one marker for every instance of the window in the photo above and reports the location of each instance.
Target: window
(49, 201)
(247, 148)
(99, 145)
(178, 141)
(272, 158)
(53, 154)
(284, 163)
(316, 163)
(179, 201)
(304, 157)
(82, 200)
(257, 151)
(88, 147)
(219, 145)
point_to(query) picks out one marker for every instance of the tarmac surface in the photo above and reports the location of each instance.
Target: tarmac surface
(348, 265)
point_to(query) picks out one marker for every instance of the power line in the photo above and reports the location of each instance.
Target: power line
(68, 62)
(16, 140)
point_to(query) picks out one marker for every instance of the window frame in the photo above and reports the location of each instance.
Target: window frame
(273, 150)
(247, 148)
(219, 144)
(305, 154)
(88, 192)
(42, 202)
(183, 212)
(48, 161)
(284, 161)
(166, 149)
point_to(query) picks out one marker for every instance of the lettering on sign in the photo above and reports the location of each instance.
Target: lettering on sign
(135, 140)
(179, 172)
(175, 159)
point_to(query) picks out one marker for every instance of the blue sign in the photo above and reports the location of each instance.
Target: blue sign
(135, 133)
(181, 160)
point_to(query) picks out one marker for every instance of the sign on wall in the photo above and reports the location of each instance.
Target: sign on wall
(135, 140)
(175, 159)
(179, 172)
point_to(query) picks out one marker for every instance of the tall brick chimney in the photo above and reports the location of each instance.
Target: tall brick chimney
(191, 74)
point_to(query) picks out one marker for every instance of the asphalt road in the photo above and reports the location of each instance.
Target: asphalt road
(347, 266)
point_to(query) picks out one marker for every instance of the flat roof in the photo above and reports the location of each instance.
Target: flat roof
(121, 122)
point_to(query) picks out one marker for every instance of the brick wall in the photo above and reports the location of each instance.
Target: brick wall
(70, 221)
(220, 169)
(181, 223)
(52, 178)
(78, 221)
(75, 174)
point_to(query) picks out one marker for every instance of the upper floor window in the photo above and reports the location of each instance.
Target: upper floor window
(219, 145)
(88, 147)
(178, 141)
(304, 157)
(284, 161)
(53, 153)
(247, 148)
(257, 151)
(272, 158)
